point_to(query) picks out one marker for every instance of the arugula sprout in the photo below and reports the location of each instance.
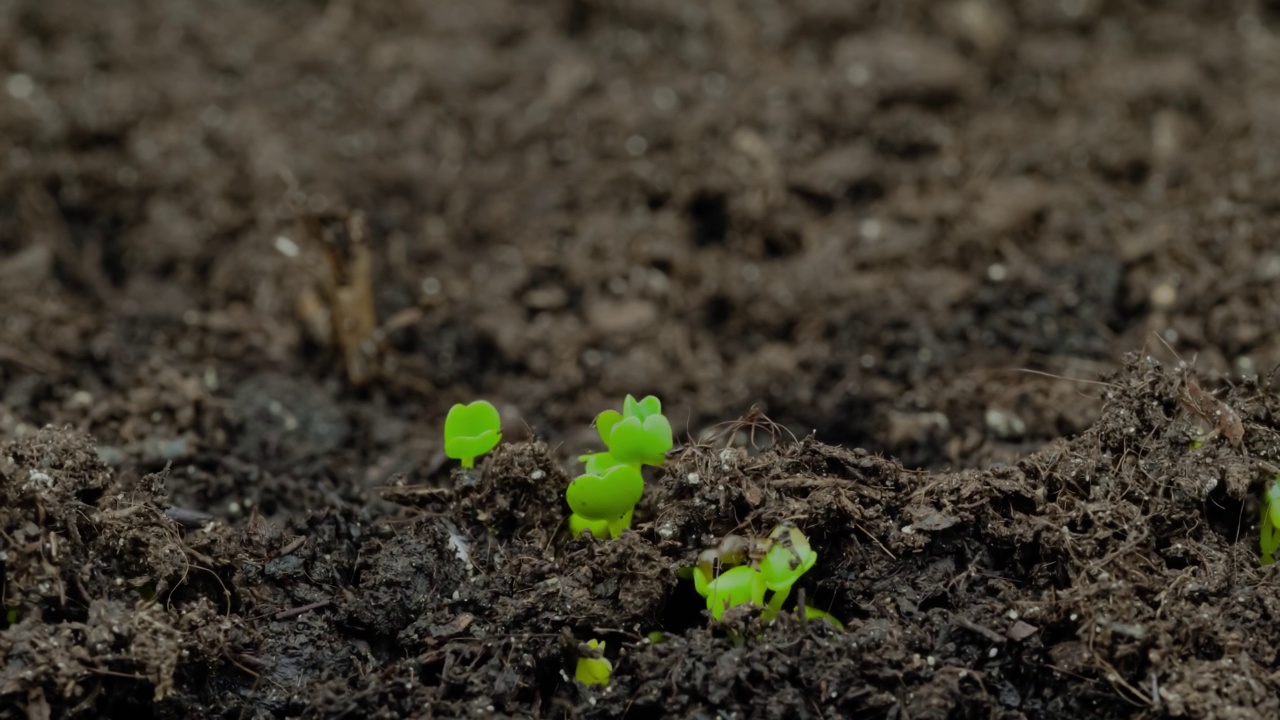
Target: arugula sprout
(607, 498)
(471, 431)
(1270, 531)
(789, 557)
(593, 667)
(751, 569)
(604, 497)
(639, 435)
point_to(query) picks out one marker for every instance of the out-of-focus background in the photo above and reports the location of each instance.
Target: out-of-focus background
(864, 218)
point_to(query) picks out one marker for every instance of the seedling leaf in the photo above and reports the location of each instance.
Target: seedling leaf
(605, 422)
(790, 557)
(608, 496)
(734, 587)
(594, 670)
(640, 442)
(471, 431)
(642, 409)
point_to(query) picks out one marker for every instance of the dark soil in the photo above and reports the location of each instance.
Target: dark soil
(951, 246)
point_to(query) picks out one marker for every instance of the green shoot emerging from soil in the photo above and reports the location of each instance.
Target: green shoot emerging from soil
(770, 566)
(639, 435)
(471, 431)
(593, 667)
(1271, 522)
(604, 497)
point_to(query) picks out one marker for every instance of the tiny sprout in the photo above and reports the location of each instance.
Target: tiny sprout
(593, 667)
(1270, 534)
(471, 431)
(609, 498)
(789, 557)
(771, 565)
(604, 497)
(639, 435)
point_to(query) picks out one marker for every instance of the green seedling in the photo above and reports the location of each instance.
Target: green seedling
(639, 435)
(608, 498)
(756, 568)
(593, 667)
(1270, 537)
(604, 497)
(471, 431)
(789, 557)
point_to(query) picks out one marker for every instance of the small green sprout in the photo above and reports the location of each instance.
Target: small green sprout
(606, 499)
(471, 431)
(772, 565)
(593, 667)
(789, 557)
(1271, 522)
(639, 435)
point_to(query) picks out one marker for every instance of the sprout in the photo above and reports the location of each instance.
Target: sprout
(1270, 535)
(593, 667)
(789, 557)
(608, 498)
(772, 565)
(471, 431)
(604, 497)
(639, 435)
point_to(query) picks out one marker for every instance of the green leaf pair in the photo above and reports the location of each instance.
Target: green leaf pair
(639, 435)
(471, 431)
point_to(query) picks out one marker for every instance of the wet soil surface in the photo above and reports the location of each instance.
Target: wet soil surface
(958, 249)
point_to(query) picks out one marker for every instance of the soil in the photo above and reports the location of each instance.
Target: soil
(957, 266)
